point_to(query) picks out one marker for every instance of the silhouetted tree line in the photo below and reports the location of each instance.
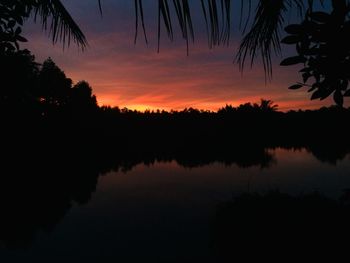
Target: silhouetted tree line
(39, 104)
(41, 91)
(56, 141)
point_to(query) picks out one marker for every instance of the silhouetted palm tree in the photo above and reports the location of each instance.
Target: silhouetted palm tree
(268, 105)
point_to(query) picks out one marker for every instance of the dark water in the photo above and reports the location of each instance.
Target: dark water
(163, 212)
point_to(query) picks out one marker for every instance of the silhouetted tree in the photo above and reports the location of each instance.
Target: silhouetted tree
(267, 106)
(19, 73)
(82, 94)
(54, 86)
(81, 99)
(247, 108)
(227, 109)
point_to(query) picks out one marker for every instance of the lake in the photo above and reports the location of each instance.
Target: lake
(160, 211)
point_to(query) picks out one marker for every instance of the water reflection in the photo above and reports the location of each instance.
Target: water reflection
(142, 201)
(277, 226)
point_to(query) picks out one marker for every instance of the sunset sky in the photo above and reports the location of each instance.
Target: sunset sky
(136, 76)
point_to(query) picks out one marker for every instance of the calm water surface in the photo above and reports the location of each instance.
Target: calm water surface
(162, 212)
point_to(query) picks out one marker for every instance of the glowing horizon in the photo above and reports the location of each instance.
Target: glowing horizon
(137, 77)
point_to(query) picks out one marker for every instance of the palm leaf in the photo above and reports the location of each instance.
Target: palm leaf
(58, 22)
(263, 36)
(217, 15)
(139, 8)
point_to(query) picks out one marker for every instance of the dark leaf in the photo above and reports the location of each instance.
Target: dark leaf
(303, 46)
(326, 93)
(314, 86)
(294, 29)
(9, 47)
(339, 5)
(320, 17)
(318, 37)
(293, 60)
(312, 51)
(20, 9)
(344, 84)
(307, 69)
(306, 76)
(322, 93)
(316, 95)
(338, 98)
(290, 40)
(18, 31)
(19, 20)
(347, 93)
(296, 86)
(21, 39)
(11, 23)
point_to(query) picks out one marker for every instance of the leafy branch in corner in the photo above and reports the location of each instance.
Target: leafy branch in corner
(323, 47)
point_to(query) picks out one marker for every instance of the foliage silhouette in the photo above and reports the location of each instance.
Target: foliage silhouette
(262, 37)
(54, 86)
(57, 134)
(321, 39)
(322, 44)
(65, 157)
(43, 96)
(54, 18)
(67, 146)
(37, 93)
(261, 28)
(18, 78)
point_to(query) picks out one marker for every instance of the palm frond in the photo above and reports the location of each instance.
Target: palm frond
(264, 35)
(261, 31)
(58, 22)
(183, 15)
(164, 12)
(100, 6)
(216, 13)
(139, 9)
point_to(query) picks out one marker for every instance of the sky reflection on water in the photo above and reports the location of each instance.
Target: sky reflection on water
(161, 212)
